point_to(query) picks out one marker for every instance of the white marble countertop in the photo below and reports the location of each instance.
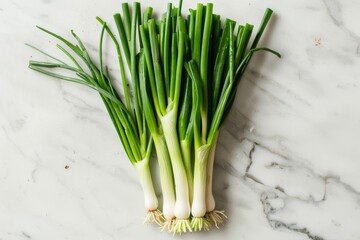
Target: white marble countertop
(288, 163)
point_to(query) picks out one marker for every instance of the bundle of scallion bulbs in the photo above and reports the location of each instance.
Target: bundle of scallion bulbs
(184, 72)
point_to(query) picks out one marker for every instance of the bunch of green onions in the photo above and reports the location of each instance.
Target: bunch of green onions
(184, 73)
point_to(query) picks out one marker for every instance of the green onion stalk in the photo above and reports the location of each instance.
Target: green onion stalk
(159, 67)
(213, 96)
(163, 54)
(128, 31)
(166, 175)
(126, 114)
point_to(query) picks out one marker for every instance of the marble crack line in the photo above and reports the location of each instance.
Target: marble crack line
(278, 192)
(279, 224)
(325, 178)
(234, 172)
(276, 138)
(250, 156)
(275, 224)
(278, 187)
(247, 174)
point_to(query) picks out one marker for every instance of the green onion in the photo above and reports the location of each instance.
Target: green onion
(184, 74)
(165, 77)
(137, 145)
(166, 174)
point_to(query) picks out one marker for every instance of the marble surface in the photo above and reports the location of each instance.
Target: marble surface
(288, 161)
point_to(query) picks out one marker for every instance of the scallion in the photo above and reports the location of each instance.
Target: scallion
(184, 74)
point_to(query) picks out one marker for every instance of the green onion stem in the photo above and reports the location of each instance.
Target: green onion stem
(166, 173)
(210, 200)
(196, 54)
(121, 64)
(154, 45)
(186, 108)
(220, 62)
(198, 208)
(147, 53)
(123, 38)
(179, 66)
(186, 152)
(166, 176)
(173, 65)
(182, 205)
(204, 66)
(134, 70)
(166, 46)
(144, 174)
(127, 19)
(161, 42)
